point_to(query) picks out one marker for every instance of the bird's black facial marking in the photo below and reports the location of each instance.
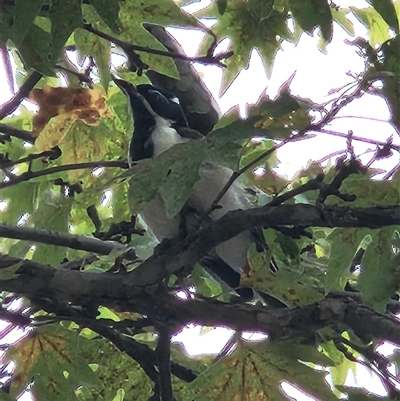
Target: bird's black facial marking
(164, 103)
(141, 147)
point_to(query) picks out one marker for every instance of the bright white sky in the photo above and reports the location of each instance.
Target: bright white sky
(316, 75)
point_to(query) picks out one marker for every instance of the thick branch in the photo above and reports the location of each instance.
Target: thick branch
(10, 106)
(189, 251)
(163, 351)
(112, 290)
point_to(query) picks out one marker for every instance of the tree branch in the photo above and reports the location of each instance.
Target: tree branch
(79, 242)
(360, 139)
(163, 352)
(129, 47)
(186, 253)
(10, 106)
(113, 290)
(29, 175)
(236, 174)
(26, 136)
(27, 159)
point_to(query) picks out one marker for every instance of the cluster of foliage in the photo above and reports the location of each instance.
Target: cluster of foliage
(98, 309)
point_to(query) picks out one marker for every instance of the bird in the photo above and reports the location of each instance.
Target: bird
(159, 124)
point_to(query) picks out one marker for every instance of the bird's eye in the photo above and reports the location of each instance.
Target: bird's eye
(156, 96)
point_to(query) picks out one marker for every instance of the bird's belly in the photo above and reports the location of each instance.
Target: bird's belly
(155, 216)
(212, 180)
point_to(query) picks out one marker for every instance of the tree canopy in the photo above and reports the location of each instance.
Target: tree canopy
(97, 298)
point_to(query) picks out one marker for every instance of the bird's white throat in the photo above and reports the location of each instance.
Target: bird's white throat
(163, 136)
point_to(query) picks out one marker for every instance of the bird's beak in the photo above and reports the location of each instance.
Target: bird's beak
(132, 92)
(124, 85)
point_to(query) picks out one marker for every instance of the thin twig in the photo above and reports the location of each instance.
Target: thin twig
(83, 77)
(392, 172)
(29, 175)
(213, 60)
(78, 264)
(26, 136)
(336, 107)
(10, 106)
(333, 154)
(236, 174)
(79, 242)
(7, 66)
(308, 186)
(16, 318)
(377, 363)
(359, 138)
(380, 120)
(29, 158)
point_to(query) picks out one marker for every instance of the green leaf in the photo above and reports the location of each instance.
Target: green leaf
(173, 174)
(7, 16)
(255, 371)
(344, 245)
(52, 214)
(120, 395)
(166, 13)
(224, 145)
(379, 265)
(89, 44)
(378, 29)
(255, 149)
(17, 204)
(52, 356)
(388, 12)
(9, 272)
(35, 50)
(65, 17)
(183, 175)
(260, 9)
(368, 192)
(115, 370)
(288, 285)
(391, 77)
(270, 119)
(357, 394)
(310, 13)
(108, 10)
(339, 372)
(221, 4)
(25, 13)
(246, 31)
(145, 180)
(92, 145)
(340, 16)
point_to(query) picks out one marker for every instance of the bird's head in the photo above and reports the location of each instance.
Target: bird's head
(149, 101)
(158, 119)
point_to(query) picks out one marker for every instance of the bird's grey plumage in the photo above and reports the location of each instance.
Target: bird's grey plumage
(212, 180)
